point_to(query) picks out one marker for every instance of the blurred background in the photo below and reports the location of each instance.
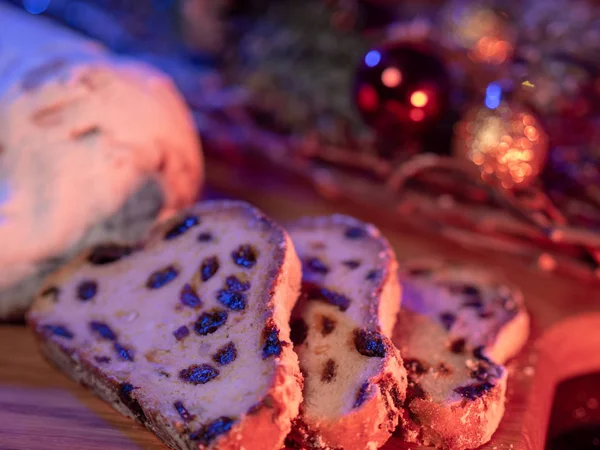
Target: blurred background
(476, 120)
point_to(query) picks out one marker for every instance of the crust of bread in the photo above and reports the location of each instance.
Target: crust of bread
(267, 425)
(371, 424)
(461, 426)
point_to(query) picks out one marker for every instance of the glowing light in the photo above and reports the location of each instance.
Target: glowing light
(36, 6)
(478, 159)
(508, 145)
(492, 50)
(372, 58)
(528, 120)
(493, 95)
(416, 114)
(391, 77)
(528, 84)
(367, 98)
(531, 133)
(547, 262)
(419, 99)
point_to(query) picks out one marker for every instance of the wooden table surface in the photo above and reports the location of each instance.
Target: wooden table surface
(41, 410)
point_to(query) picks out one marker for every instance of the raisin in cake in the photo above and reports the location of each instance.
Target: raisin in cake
(189, 332)
(354, 380)
(458, 325)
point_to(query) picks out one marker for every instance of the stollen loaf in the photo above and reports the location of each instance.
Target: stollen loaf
(93, 147)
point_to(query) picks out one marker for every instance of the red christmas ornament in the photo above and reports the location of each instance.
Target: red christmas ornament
(401, 88)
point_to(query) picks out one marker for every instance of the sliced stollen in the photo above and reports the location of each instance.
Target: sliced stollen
(354, 382)
(458, 325)
(187, 333)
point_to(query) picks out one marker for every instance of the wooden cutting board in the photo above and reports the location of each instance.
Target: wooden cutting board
(41, 410)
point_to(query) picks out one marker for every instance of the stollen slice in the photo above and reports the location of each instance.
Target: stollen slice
(354, 378)
(188, 333)
(458, 325)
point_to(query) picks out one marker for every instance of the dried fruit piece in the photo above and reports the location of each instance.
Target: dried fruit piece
(474, 391)
(205, 237)
(465, 289)
(315, 265)
(355, 233)
(317, 293)
(234, 300)
(272, 345)
(123, 352)
(233, 283)
(299, 331)
(244, 256)
(183, 412)
(161, 277)
(189, 297)
(476, 303)
(225, 354)
(362, 394)
(59, 330)
(181, 333)
(329, 371)
(351, 263)
(327, 325)
(87, 290)
(447, 319)
(374, 275)
(108, 253)
(103, 330)
(209, 267)
(182, 227)
(369, 343)
(458, 345)
(213, 430)
(198, 374)
(209, 322)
